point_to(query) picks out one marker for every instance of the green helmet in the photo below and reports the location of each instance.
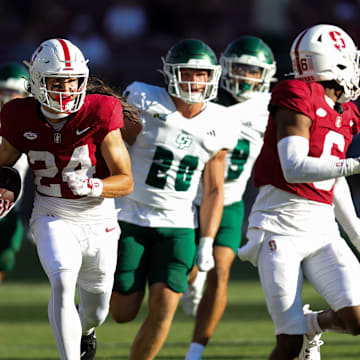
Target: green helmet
(13, 81)
(191, 54)
(248, 66)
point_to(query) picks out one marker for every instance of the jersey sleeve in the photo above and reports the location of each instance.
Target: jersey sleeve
(293, 95)
(356, 122)
(111, 117)
(7, 120)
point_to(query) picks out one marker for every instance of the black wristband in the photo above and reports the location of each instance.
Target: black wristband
(10, 179)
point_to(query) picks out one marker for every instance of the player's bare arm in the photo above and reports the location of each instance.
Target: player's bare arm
(211, 209)
(130, 130)
(213, 195)
(120, 181)
(8, 154)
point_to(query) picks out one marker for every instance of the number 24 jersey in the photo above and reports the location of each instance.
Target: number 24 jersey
(51, 153)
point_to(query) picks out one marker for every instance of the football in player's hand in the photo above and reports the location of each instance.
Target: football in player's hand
(6, 195)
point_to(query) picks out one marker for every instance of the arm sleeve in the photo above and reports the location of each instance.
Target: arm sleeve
(298, 167)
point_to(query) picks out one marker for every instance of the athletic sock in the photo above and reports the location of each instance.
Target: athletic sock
(195, 351)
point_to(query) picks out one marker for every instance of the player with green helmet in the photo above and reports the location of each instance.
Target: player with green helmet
(248, 67)
(191, 54)
(13, 83)
(182, 144)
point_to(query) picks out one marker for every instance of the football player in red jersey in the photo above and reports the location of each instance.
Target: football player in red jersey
(79, 164)
(300, 173)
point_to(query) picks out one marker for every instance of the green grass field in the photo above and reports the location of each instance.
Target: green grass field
(245, 331)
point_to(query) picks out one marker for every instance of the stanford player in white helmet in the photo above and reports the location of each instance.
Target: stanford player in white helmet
(300, 174)
(79, 164)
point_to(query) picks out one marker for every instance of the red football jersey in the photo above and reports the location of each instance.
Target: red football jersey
(52, 153)
(330, 135)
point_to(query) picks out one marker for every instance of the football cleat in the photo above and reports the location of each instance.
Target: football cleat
(311, 348)
(311, 342)
(88, 346)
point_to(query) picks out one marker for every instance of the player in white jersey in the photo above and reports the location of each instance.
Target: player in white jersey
(13, 82)
(79, 164)
(182, 143)
(248, 68)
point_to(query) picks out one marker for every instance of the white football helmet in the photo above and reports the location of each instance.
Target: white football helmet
(61, 59)
(326, 52)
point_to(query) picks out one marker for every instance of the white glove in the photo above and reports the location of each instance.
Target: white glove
(205, 258)
(5, 207)
(82, 185)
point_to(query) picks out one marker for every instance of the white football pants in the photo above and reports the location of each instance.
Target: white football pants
(83, 255)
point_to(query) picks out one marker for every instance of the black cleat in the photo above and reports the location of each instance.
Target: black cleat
(88, 346)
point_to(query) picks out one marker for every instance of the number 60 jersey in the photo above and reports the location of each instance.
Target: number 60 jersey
(169, 155)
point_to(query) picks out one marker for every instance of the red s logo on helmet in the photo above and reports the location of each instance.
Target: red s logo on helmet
(339, 41)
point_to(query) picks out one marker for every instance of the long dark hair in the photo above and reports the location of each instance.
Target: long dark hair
(132, 125)
(97, 86)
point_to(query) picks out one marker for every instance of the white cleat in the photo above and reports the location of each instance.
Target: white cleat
(311, 342)
(311, 348)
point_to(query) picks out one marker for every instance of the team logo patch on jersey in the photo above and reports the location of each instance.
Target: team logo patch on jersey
(338, 121)
(57, 138)
(321, 112)
(183, 140)
(160, 116)
(30, 135)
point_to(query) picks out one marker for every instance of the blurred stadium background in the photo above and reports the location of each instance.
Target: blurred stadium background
(125, 40)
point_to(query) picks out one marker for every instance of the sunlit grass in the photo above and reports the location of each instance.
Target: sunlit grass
(245, 332)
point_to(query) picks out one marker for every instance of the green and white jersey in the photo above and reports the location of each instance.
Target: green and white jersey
(253, 116)
(250, 117)
(168, 158)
